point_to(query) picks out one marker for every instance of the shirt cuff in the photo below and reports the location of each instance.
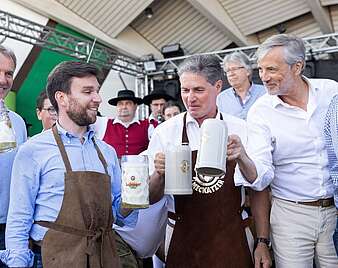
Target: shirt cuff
(129, 220)
(17, 258)
(260, 182)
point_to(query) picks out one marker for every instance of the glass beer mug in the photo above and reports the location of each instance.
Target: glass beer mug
(7, 135)
(135, 181)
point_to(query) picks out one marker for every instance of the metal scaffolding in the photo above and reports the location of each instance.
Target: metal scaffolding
(80, 48)
(319, 47)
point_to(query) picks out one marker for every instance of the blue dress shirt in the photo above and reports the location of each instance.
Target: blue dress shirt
(6, 162)
(38, 185)
(228, 101)
(331, 140)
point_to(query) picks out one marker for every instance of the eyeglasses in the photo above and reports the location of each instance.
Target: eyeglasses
(235, 69)
(50, 110)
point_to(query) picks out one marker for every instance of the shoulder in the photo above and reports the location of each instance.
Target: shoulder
(234, 121)
(259, 88)
(37, 144)
(226, 92)
(16, 119)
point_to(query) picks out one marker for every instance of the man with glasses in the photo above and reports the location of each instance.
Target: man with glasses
(238, 99)
(45, 111)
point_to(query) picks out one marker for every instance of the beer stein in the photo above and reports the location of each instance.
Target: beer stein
(211, 156)
(135, 181)
(7, 135)
(178, 176)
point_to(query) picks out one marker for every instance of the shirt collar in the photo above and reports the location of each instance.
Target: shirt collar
(191, 120)
(312, 91)
(151, 117)
(88, 135)
(126, 125)
(248, 92)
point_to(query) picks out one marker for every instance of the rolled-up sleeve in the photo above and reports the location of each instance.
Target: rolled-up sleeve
(259, 148)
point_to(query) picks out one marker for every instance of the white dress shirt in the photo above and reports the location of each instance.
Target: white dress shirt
(287, 146)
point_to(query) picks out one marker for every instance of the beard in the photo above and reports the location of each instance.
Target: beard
(79, 114)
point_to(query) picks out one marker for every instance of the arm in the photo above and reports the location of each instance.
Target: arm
(236, 151)
(24, 188)
(260, 207)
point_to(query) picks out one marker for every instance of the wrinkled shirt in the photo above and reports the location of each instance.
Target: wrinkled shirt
(38, 185)
(6, 162)
(228, 101)
(286, 143)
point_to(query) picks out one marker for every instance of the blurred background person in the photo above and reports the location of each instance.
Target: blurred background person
(238, 99)
(45, 111)
(171, 108)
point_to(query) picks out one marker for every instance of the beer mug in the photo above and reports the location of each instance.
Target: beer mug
(7, 136)
(135, 181)
(178, 176)
(211, 156)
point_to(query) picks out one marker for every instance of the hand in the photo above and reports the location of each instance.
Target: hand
(235, 148)
(262, 256)
(159, 163)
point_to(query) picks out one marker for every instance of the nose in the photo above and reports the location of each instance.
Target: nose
(2, 77)
(97, 98)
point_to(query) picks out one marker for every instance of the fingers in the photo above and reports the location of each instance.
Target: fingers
(159, 163)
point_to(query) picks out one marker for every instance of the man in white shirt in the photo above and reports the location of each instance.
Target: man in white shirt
(287, 146)
(206, 233)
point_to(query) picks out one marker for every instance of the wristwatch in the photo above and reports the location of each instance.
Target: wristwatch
(264, 240)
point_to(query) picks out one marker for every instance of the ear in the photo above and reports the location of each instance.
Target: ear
(38, 114)
(299, 67)
(61, 99)
(218, 86)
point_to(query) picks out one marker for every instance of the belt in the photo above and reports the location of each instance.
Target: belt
(327, 202)
(2, 227)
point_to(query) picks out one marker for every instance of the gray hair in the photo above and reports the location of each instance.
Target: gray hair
(8, 53)
(206, 65)
(294, 48)
(240, 57)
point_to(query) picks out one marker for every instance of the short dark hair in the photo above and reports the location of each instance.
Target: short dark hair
(171, 103)
(41, 99)
(60, 78)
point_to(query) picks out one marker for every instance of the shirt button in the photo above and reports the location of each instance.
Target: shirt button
(126, 135)
(126, 151)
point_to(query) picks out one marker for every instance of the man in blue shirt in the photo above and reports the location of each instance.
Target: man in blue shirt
(65, 190)
(7, 67)
(331, 140)
(238, 99)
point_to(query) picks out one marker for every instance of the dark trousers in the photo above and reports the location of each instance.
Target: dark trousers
(2, 242)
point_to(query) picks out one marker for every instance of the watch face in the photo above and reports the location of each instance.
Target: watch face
(266, 241)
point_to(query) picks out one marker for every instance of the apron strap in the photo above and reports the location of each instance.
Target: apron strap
(99, 153)
(61, 148)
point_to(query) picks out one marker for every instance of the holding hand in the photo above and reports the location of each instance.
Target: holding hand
(235, 148)
(159, 163)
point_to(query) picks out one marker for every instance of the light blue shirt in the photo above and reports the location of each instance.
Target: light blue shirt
(228, 101)
(331, 140)
(38, 185)
(6, 162)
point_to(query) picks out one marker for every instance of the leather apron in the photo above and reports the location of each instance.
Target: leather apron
(82, 235)
(209, 231)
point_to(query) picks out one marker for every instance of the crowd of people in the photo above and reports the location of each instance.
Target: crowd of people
(60, 191)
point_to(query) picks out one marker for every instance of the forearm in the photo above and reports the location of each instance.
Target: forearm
(260, 207)
(247, 168)
(156, 187)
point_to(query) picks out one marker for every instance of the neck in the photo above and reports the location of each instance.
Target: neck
(242, 90)
(298, 96)
(211, 115)
(69, 125)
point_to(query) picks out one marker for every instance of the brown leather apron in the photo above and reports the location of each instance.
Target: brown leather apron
(208, 230)
(82, 235)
